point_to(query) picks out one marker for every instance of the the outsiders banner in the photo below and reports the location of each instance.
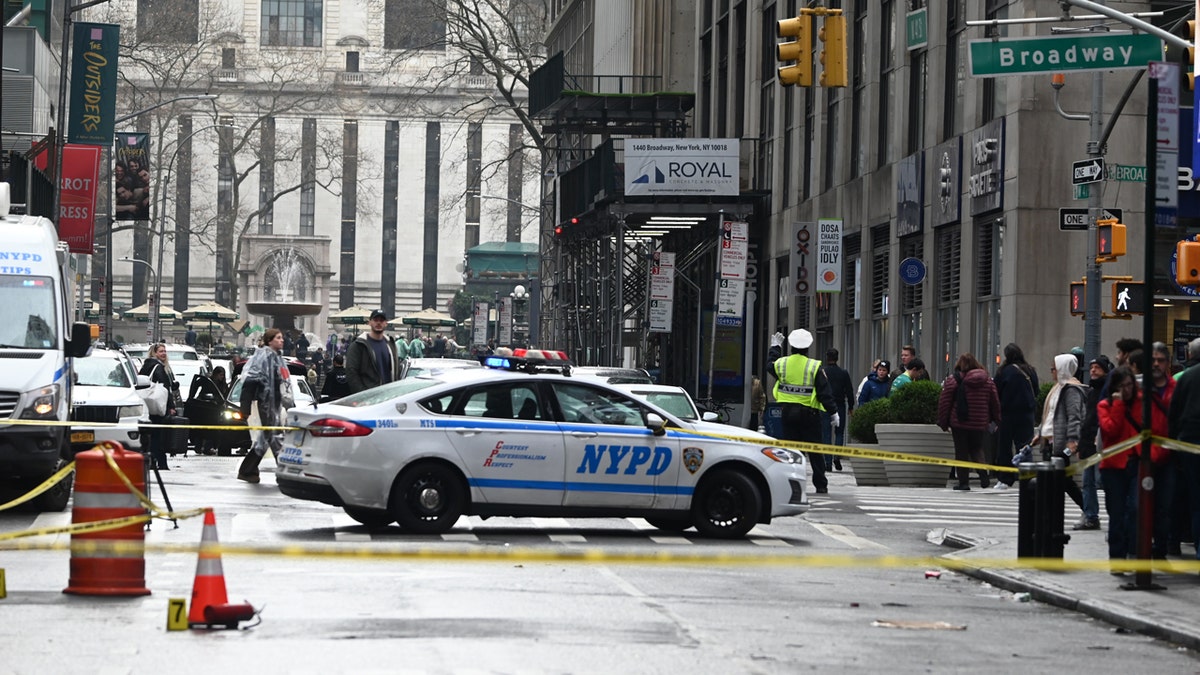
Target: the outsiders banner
(131, 177)
(77, 202)
(93, 83)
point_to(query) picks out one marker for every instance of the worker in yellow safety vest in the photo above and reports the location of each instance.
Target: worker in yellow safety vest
(802, 391)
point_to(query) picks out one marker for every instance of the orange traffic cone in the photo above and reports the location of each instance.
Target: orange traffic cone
(210, 604)
(209, 587)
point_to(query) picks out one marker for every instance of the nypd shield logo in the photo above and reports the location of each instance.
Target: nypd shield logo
(692, 459)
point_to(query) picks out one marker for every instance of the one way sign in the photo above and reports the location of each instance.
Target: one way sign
(1087, 171)
(1078, 219)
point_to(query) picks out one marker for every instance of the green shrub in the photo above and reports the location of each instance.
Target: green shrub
(866, 416)
(915, 403)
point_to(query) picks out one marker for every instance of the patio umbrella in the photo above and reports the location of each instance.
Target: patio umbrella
(142, 313)
(351, 316)
(426, 317)
(211, 311)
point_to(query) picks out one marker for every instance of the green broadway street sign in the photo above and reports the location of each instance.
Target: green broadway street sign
(1055, 54)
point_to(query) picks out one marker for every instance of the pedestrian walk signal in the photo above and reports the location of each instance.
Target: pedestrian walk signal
(1128, 297)
(1078, 306)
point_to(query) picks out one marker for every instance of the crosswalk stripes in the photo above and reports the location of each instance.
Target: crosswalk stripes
(944, 507)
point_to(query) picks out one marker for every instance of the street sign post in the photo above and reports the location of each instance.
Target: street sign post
(1059, 53)
(1070, 219)
(1087, 171)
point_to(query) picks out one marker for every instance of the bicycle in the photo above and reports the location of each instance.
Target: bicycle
(723, 409)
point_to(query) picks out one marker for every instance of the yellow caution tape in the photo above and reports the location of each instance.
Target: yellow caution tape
(595, 555)
(46, 485)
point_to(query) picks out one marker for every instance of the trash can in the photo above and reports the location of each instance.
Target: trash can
(1040, 509)
(774, 420)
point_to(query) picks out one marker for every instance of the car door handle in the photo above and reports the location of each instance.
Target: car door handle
(467, 432)
(584, 434)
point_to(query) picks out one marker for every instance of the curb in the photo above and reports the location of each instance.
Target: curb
(1020, 581)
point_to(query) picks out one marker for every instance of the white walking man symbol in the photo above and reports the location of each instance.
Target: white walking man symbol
(1123, 299)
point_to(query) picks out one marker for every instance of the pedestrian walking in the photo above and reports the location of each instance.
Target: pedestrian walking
(1184, 425)
(1062, 419)
(1090, 443)
(968, 407)
(843, 397)
(266, 389)
(372, 359)
(803, 393)
(337, 383)
(877, 384)
(159, 370)
(1017, 386)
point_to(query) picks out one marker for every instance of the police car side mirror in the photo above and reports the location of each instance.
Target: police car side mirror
(710, 417)
(656, 424)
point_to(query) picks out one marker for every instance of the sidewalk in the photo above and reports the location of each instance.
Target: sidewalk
(1171, 614)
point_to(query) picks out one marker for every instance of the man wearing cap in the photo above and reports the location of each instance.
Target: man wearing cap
(802, 391)
(372, 360)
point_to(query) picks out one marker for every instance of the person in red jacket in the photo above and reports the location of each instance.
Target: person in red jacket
(1120, 419)
(968, 406)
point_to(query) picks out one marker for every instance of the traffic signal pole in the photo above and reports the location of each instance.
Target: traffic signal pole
(1092, 314)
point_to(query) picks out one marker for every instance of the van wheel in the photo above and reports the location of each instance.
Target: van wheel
(57, 497)
(726, 505)
(428, 498)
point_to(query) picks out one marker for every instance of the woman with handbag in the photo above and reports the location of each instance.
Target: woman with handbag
(266, 382)
(159, 371)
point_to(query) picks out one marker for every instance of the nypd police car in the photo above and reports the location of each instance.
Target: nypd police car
(524, 438)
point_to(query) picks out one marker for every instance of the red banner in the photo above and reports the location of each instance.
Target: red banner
(77, 197)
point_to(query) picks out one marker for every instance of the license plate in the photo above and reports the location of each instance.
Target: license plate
(83, 436)
(298, 437)
(290, 456)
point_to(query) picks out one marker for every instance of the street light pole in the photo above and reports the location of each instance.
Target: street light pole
(153, 305)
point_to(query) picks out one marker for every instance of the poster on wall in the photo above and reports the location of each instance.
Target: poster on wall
(682, 166)
(77, 201)
(829, 255)
(131, 177)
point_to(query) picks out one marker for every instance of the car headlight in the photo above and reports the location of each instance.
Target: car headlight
(43, 403)
(784, 455)
(138, 410)
(233, 414)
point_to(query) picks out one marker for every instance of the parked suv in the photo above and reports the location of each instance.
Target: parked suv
(105, 391)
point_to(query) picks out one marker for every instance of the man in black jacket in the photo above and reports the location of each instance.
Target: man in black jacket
(1184, 419)
(337, 383)
(843, 396)
(1098, 375)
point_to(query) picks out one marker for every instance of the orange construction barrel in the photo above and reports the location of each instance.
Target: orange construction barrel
(100, 495)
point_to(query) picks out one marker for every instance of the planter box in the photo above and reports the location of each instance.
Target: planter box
(916, 439)
(868, 472)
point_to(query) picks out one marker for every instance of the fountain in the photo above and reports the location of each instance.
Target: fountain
(286, 284)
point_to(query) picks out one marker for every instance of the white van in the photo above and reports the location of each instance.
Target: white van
(37, 341)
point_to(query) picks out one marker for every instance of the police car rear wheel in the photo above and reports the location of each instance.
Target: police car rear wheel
(369, 517)
(428, 499)
(726, 505)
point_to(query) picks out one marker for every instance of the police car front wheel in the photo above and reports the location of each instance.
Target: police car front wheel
(428, 498)
(726, 505)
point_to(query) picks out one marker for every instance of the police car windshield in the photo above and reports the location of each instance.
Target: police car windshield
(29, 301)
(385, 392)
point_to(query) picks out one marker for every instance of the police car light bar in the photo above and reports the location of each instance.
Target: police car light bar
(529, 360)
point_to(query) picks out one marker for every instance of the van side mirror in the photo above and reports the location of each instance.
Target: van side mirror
(81, 339)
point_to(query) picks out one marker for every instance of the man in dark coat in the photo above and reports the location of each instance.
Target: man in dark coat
(843, 396)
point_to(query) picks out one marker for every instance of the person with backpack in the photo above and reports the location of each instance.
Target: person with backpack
(967, 408)
(337, 383)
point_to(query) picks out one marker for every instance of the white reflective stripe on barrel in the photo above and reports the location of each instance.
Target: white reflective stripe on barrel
(106, 500)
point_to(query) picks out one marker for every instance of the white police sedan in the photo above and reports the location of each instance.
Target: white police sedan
(524, 438)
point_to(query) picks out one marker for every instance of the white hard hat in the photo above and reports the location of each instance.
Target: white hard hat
(800, 339)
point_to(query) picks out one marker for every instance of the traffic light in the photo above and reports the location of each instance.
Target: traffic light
(1187, 263)
(561, 229)
(1078, 296)
(1186, 58)
(1128, 297)
(1111, 240)
(799, 50)
(833, 53)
